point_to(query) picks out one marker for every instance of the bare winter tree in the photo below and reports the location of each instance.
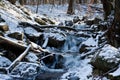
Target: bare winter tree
(71, 7)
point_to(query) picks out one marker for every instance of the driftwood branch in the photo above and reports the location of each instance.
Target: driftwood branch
(15, 62)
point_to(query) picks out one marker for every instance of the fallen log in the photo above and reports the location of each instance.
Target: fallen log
(11, 45)
(19, 48)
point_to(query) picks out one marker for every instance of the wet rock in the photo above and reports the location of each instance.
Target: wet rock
(55, 61)
(69, 23)
(55, 39)
(4, 62)
(16, 35)
(26, 71)
(40, 21)
(4, 26)
(32, 34)
(76, 19)
(106, 58)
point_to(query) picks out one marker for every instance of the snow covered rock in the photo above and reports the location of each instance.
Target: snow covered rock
(25, 70)
(32, 34)
(31, 57)
(4, 62)
(87, 45)
(16, 35)
(106, 58)
(4, 26)
(55, 39)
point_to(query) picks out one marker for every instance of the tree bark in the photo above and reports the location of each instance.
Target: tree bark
(71, 7)
(107, 7)
(12, 1)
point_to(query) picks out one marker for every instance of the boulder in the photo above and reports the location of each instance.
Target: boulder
(32, 34)
(87, 45)
(106, 58)
(16, 35)
(55, 61)
(55, 39)
(4, 27)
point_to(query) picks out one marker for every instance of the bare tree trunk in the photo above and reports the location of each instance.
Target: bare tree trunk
(12, 1)
(107, 6)
(71, 7)
(37, 6)
(117, 22)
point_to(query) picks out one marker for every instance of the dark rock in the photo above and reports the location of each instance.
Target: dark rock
(87, 45)
(97, 20)
(32, 34)
(55, 39)
(16, 35)
(94, 21)
(69, 23)
(102, 27)
(89, 22)
(55, 61)
(106, 58)
(83, 48)
(76, 19)
(4, 27)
